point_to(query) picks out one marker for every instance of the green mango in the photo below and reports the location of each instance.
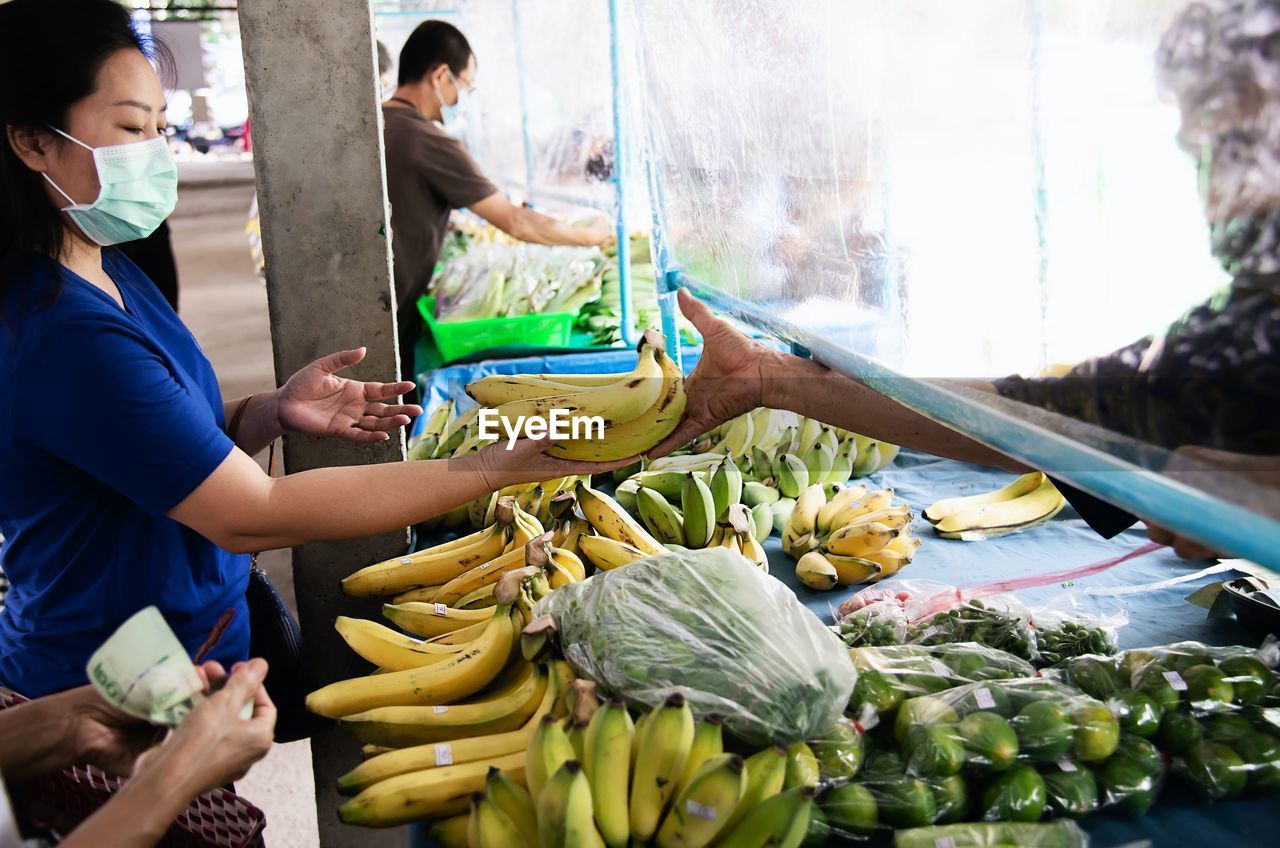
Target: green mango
(963, 663)
(951, 797)
(851, 808)
(906, 802)
(1188, 657)
(1153, 683)
(839, 752)
(1017, 795)
(1045, 732)
(1129, 785)
(976, 697)
(1248, 677)
(883, 765)
(989, 740)
(1097, 732)
(1095, 676)
(1226, 728)
(819, 831)
(1208, 688)
(1137, 711)
(1072, 793)
(876, 691)
(1139, 749)
(1178, 732)
(922, 710)
(934, 750)
(1261, 754)
(1133, 663)
(1215, 770)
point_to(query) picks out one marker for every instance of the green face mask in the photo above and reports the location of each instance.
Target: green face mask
(139, 188)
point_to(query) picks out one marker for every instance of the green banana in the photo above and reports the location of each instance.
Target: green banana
(888, 453)
(868, 460)
(549, 748)
(665, 483)
(793, 475)
(766, 772)
(660, 517)
(761, 464)
(660, 760)
(627, 495)
(706, 805)
(761, 522)
(829, 440)
(514, 800)
(564, 810)
(489, 825)
(754, 494)
(819, 461)
(726, 487)
(781, 510)
(608, 746)
(810, 432)
(802, 766)
(699, 512)
(780, 821)
(842, 467)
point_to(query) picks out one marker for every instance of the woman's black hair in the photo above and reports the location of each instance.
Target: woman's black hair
(432, 44)
(50, 55)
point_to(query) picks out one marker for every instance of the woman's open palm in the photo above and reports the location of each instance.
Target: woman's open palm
(318, 402)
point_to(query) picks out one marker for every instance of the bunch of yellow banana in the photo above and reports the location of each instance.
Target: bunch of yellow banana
(639, 408)
(619, 539)
(1029, 500)
(856, 536)
(664, 780)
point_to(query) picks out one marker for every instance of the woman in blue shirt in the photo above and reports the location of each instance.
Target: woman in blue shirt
(144, 497)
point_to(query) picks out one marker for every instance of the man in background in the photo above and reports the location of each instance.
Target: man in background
(430, 173)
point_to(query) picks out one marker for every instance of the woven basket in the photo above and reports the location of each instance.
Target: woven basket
(59, 802)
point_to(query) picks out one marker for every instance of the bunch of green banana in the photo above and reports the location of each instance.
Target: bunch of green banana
(639, 408)
(855, 536)
(1029, 500)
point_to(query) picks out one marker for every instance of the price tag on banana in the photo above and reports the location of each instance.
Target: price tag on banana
(144, 670)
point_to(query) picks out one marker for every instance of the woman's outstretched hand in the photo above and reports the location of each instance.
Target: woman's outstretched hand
(318, 402)
(727, 382)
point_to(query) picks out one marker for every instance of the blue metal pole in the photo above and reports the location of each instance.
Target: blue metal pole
(524, 99)
(1079, 454)
(620, 165)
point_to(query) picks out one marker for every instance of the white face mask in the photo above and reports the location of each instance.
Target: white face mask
(138, 190)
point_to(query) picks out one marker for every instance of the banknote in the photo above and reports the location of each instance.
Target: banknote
(144, 670)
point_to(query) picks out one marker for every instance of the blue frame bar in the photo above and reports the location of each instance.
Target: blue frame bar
(1219, 524)
(620, 164)
(524, 99)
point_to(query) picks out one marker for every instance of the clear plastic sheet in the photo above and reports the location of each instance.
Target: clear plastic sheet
(710, 625)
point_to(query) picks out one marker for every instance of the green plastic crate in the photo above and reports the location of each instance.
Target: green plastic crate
(457, 339)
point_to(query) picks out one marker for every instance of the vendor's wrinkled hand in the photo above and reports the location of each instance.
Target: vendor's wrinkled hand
(727, 381)
(1182, 546)
(214, 746)
(317, 402)
(106, 737)
(527, 462)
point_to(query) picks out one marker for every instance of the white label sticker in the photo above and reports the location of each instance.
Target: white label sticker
(438, 710)
(944, 842)
(444, 754)
(984, 699)
(928, 631)
(442, 609)
(1176, 681)
(406, 560)
(701, 811)
(940, 668)
(1066, 765)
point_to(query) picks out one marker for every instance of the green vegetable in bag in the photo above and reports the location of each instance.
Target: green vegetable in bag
(1017, 795)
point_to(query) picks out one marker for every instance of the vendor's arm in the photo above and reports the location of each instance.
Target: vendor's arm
(317, 402)
(525, 224)
(735, 374)
(69, 728)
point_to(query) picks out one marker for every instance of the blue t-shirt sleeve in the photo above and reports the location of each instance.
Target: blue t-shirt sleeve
(118, 412)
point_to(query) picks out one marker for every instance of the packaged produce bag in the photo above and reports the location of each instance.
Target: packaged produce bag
(708, 624)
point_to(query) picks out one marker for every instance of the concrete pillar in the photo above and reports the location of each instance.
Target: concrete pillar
(317, 139)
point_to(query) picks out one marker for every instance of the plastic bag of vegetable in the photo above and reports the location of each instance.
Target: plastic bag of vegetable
(1058, 834)
(712, 626)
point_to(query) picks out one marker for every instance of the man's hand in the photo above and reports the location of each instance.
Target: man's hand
(317, 402)
(727, 381)
(1182, 546)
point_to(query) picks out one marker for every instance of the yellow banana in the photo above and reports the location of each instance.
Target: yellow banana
(497, 389)
(570, 562)
(481, 598)
(641, 433)
(489, 827)
(662, 750)
(905, 545)
(609, 519)
(815, 571)
(860, 539)
(617, 403)
(841, 499)
(431, 619)
(889, 561)
(706, 805)
(708, 741)
(987, 521)
(797, 536)
(870, 502)
(489, 573)
(766, 772)
(451, 832)
(432, 793)
(440, 683)
(607, 757)
(1024, 485)
(564, 810)
(421, 595)
(897, 517)
(401, 727)
(514, 800)
(853, 570)
(389, 650)
(782, 821)
(606, 554)
(427, 568)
